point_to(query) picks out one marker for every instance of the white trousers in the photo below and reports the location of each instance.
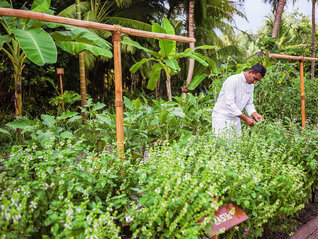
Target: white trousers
(227, 127)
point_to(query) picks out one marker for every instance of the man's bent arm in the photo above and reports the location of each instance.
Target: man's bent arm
(247, 120)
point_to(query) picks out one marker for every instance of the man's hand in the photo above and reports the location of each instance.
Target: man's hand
(249, 121)
(257, 117)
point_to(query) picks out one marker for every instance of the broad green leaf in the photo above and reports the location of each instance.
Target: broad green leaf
(20, 123)
(206, 47)
(167, 26)
(67, 114)
(4, 4)
(177, 112)
(40, 5)
(37, 45)
(98, 106)
(81, 34)
(3, 39)
(62, 36)
(167, 47)
(196, 56)
(44, 137)
(155, 74)
(74, 118)
(9, 21)
(48, 120)
(211, 63)
(137, 65)
(137, 45)
(76, 47)
(196, 81)
(173, 64)
(67, 135)
(105, 119)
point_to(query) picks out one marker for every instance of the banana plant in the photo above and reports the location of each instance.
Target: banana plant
(166, 58)
(25, 39)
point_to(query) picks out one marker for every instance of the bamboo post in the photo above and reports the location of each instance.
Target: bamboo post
(118, 93)
(302, 82)
(60, 72)
(302, 94)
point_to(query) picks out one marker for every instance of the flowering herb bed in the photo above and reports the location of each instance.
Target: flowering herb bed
(64, 189)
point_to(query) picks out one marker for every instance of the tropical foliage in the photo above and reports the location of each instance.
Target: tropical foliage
(60, 175)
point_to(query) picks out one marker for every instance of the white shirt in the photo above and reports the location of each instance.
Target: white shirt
(234, 96)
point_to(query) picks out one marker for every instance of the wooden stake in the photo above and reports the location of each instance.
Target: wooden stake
(118, 94)
(60, 71)
(302, 94)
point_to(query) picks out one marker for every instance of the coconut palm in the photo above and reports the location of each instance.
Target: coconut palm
(208, 17)
(313, 38)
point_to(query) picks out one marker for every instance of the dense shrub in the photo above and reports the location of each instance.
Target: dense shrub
(65, 189)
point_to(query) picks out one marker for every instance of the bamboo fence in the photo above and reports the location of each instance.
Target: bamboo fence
(116, 33)
(301, 60)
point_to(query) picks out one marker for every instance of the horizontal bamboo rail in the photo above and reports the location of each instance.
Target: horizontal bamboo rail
(94, 25)
(300, 58)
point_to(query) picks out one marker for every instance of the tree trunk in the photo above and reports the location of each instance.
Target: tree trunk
(81, 63)
(191, 44)
(168, 85)
(18, 92)
(278, 17)
(313, 37)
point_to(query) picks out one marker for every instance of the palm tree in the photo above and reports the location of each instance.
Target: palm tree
(81, 57)
(208, 16)
(313, 37)
(278, 7)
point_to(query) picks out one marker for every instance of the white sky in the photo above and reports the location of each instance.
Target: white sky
(256, 12)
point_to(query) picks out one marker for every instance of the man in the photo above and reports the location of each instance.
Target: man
(235, 95)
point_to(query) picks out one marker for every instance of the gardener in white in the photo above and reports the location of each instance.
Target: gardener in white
(237, 94)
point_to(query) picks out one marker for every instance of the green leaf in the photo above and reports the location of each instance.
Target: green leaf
(74, 118)
(37, 45)
(137, 65)
(66, 135)
(9, 21)
(254, 195)
(196, 81)
(44, 137)
(3, 131)
(48, 120)
(3, 39)
(76, 47)
(40, 5)
(247, 203)
(105, 119)
(155, 74)
(20, 123)
(98, 106)
(173, 64)
(86, 36)
(137, 45)
(167, 47)
(196, 56)
(178, 112)
(4, 4)
(67, 114)
(207, 47)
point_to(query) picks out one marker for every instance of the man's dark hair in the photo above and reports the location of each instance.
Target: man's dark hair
(258, 69)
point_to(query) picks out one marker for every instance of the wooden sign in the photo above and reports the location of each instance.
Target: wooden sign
(60, 71)
(225, 218)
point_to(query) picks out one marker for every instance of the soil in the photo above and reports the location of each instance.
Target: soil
(308, 213)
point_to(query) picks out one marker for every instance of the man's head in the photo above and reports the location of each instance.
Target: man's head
(255, 74)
